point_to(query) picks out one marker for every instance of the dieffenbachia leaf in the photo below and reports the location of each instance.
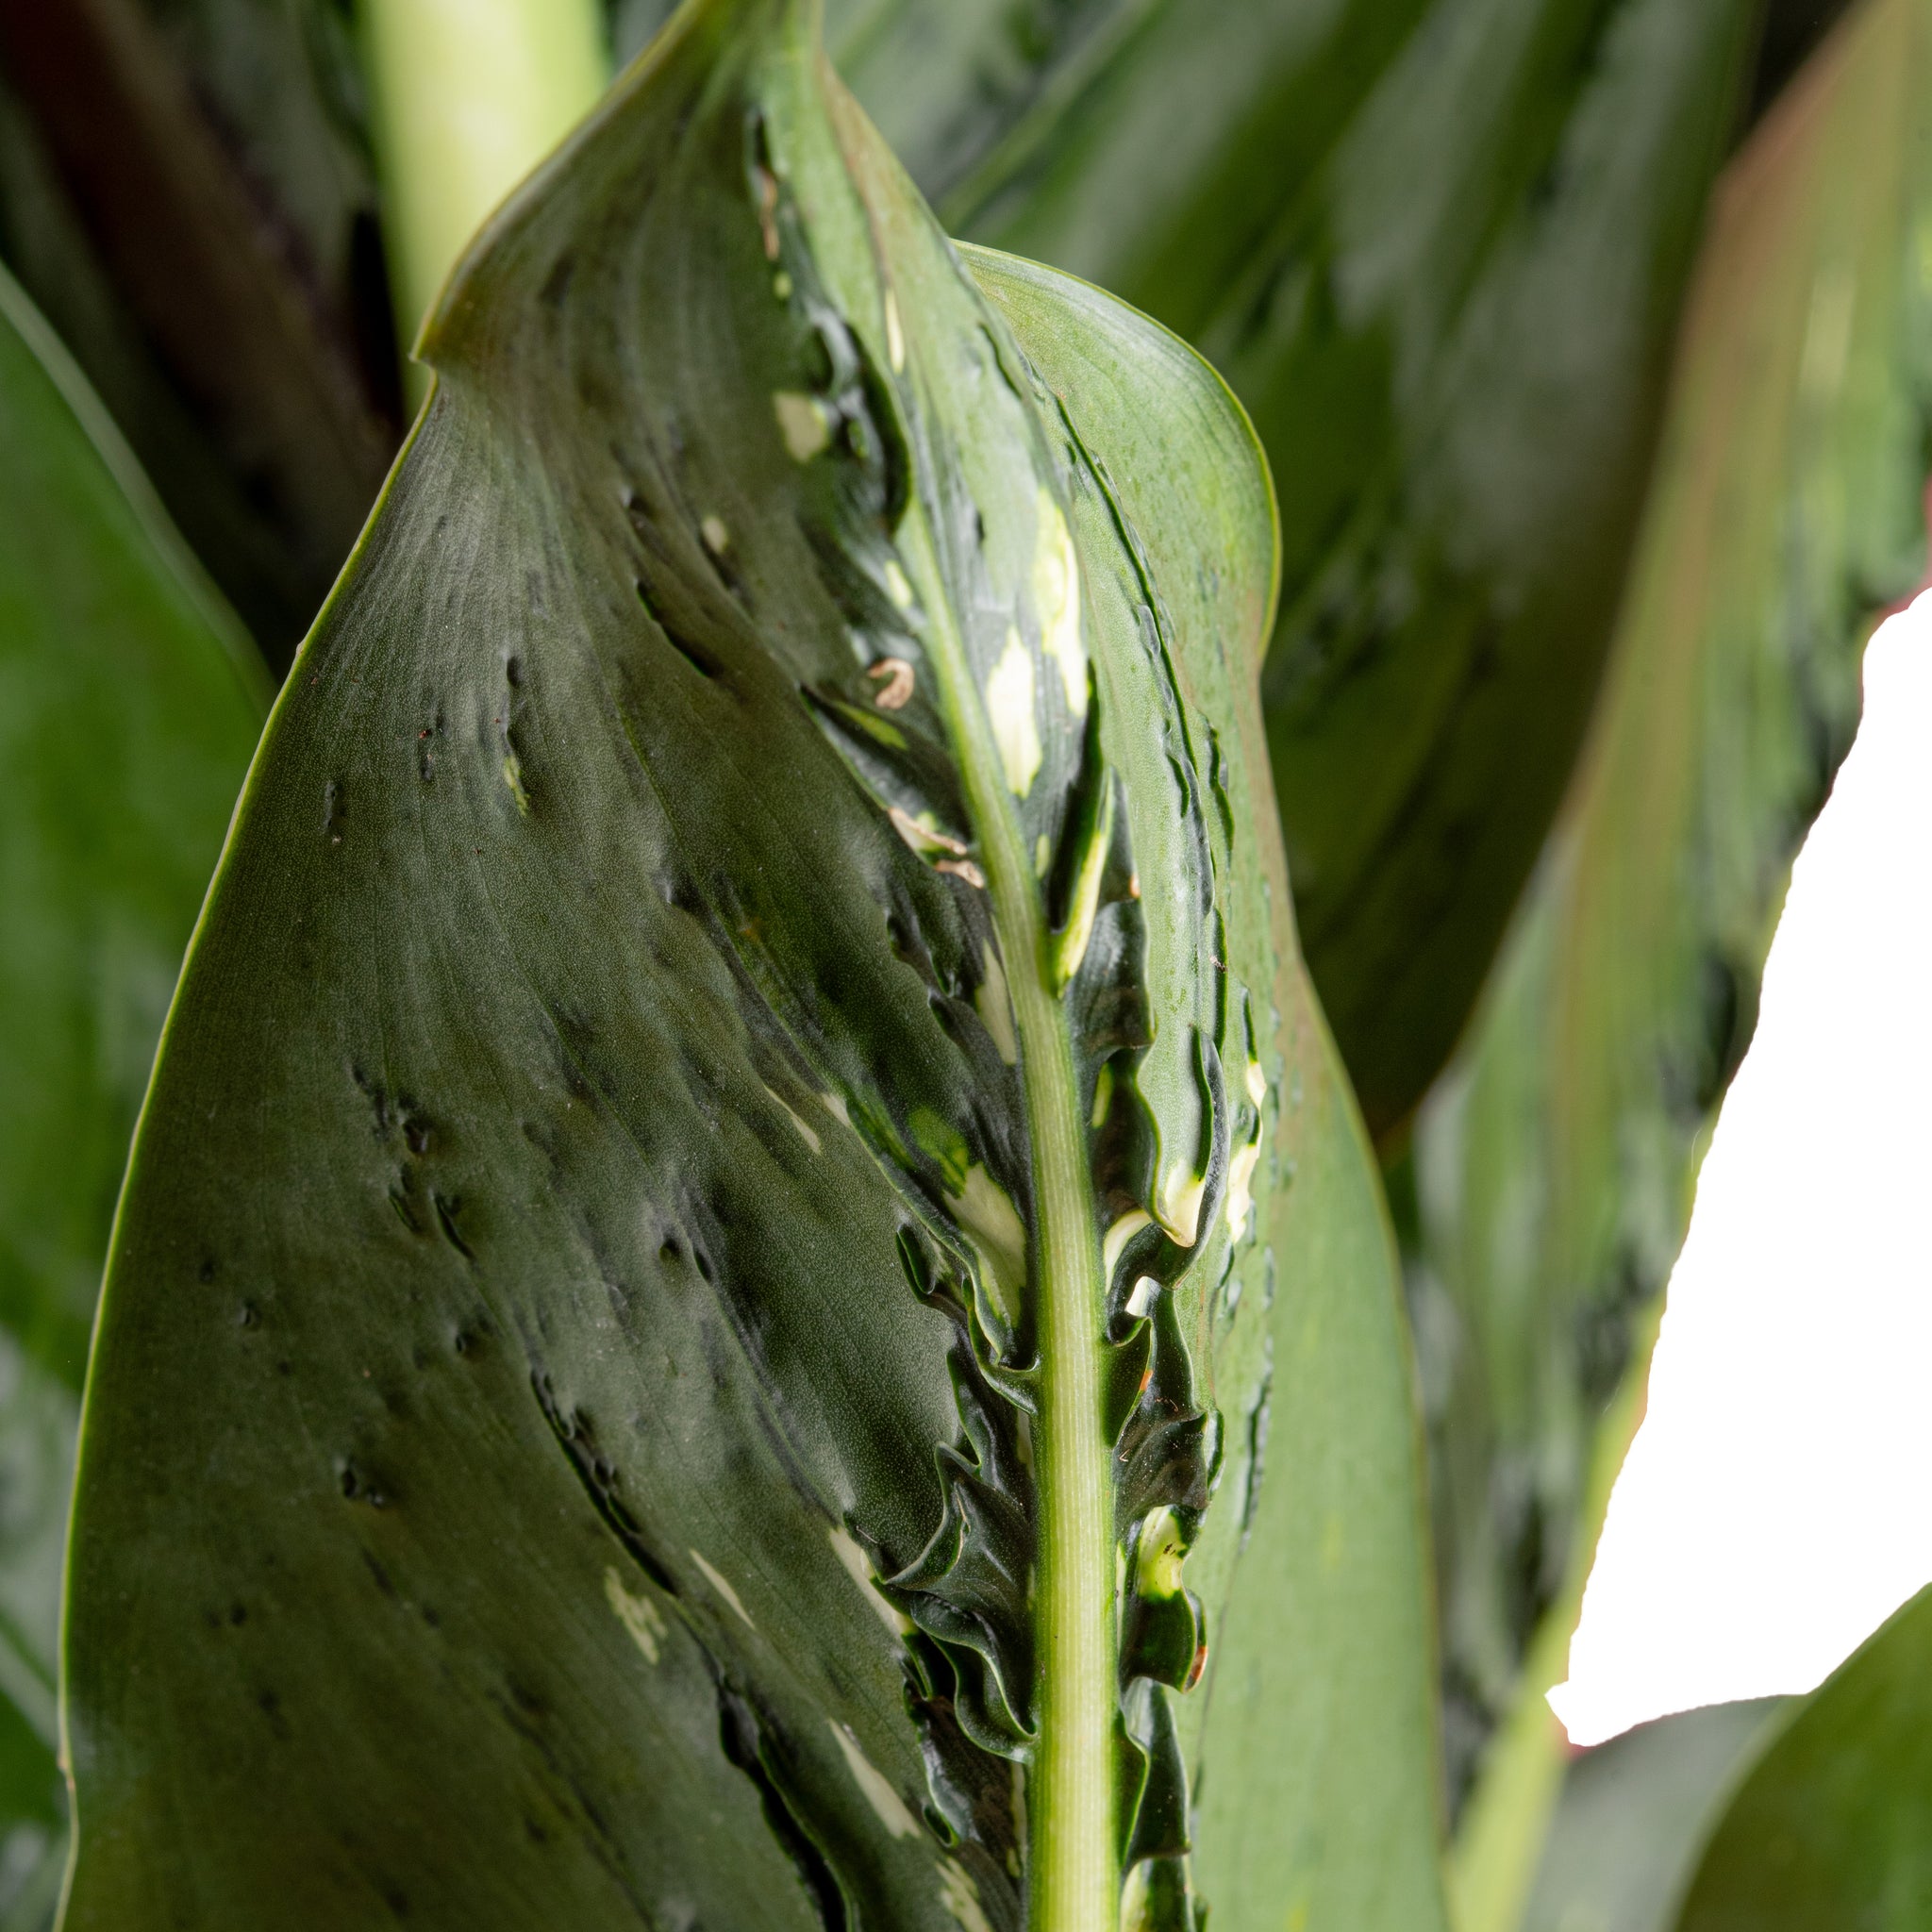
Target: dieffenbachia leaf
(1438, 250)
(714, 1319)
(1554, 1167)
(1832, 1828)
(127, 708)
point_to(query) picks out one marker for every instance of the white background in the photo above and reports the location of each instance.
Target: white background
(1778, 1503)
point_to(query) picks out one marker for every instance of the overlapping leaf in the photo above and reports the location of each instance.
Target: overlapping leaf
(1554, 1168)
(1634, 1816)
(1832, 1828)
(750, 953)
(127, 708)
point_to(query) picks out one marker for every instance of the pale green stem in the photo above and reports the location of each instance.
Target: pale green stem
(468, 95)
(1073, 1873)
(1500, 1842)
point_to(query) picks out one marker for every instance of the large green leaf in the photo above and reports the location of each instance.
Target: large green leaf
(743, 1144)
(1832, 1829)
(127, 708)
(1555, 1168)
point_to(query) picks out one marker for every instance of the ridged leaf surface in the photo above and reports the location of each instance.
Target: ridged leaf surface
(700, 1324)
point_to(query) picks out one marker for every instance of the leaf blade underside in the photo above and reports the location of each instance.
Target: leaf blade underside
(631, 1410)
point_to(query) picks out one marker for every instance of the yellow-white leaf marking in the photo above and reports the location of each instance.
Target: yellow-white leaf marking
(897, 589)
(717, 538)
(1009, 710)
(994, 1004)
(802, 423)
(886, 1803)
(1103, 1096)
(1240, 1185)
(723, 1590)
(992, 1224)
(848, 1550)
(1070, 944)
(834, 1106)
(1119, 1235)
(807, 1133)
(638, 1614)
(513, 777)
(895, 336)
(960, 1896)
(895, 694)
(921, 837)
(1057, 599)
(1159, 1554)
(1179, 1210)
(1241, 1167)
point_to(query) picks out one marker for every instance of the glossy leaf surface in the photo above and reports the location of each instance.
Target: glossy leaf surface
(127, 708)
(1832, 1830)
(743, 1125)
(1555, 1168)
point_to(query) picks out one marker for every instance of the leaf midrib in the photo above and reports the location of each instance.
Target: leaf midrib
(1073, 1877)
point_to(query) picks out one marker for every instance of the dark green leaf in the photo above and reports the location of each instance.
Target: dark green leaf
(1634, 1814)
(1832, 1830)
(612, 1405)
(128, 707)
(185, 191)
(1554, 1168)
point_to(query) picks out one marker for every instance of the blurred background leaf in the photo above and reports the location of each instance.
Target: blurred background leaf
(129, 702)
(1553, 1170)
(187, 194)
(1831, 1830)
(1633, 1817)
